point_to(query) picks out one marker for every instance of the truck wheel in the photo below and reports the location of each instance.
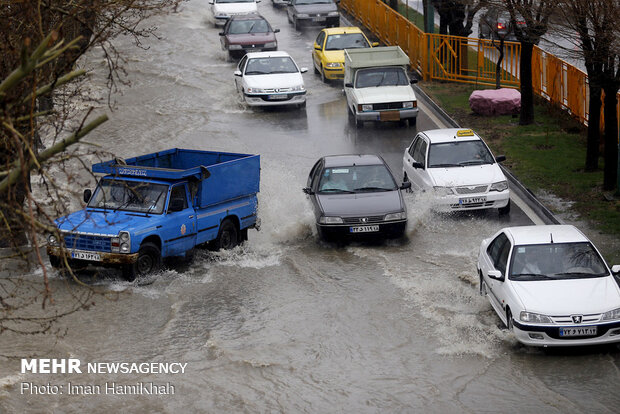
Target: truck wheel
(55, 262)
(149, 261)
(359, 124)
(228, 236)
(413, 121)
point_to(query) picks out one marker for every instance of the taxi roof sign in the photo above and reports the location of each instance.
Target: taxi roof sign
(465, 133)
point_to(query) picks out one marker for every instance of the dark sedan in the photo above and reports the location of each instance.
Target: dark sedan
(356, 195)
(248, 33)
(313, 12)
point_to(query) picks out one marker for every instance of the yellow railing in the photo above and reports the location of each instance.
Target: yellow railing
(471, 60)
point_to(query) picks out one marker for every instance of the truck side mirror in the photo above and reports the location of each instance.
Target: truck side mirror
(87, 195)
(406, 185)
(176, 204)
(307, 190)
(500, 158)
(495, 274)
(417, 165)
(348, 85)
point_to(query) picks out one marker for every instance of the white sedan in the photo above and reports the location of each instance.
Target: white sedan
(270, 78)
(224, 9)
(459, 168)
(550, 286)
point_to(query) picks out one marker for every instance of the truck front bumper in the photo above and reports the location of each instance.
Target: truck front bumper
(104, 258)
(383, 115)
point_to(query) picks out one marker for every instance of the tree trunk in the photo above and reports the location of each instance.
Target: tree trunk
(610, 172)
(594, 129)
(527, 92)
(498, 67)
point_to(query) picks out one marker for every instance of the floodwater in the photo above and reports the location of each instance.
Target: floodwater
(286, 323)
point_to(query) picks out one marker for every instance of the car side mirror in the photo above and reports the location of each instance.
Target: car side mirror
(276, 30)
(495, 274)
(222, 33)
(237, 73)
(211, 1)
(375, 44)
(303, 70)
(615, 269)
(500, 158)
(348, 85)
(417, 165)
(87, 195)
(413, 81)
(307, 190)
(406, 185)
(317, 47)
(176, 204)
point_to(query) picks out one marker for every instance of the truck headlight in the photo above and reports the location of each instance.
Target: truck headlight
(395, 216)
(365, 107)
(234, 47)
(124, 236)
(499, 186)
(332, 65)
(125, 247)
(442, 191)
(408, 105)
(330, 220)
(52, 240)
(611, 315)
(530, 317)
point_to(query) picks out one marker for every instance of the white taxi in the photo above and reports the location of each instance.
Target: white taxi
(459, 168)
(224, 9)
(550, 286)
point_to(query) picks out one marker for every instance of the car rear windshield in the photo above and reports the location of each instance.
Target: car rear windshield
(269, 65)
(346, 41)
(248, 26)
(459, 154)
(129, 196)
(556, 261)
(391, 76)
(356, 179)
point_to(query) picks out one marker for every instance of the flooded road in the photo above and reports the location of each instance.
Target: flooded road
(285, 323)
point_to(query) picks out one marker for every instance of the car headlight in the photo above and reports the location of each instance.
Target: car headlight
(611, 315)
(365, 107)
(255, 90)
(303, 15)
(333, 13)
(330, 220)
(442, 191)
(220, 14)
(52, 240)
(530, 317)
(234, 47)
(499, 186)
(395, 216)
(299, 88)
(271, 44)
(332, 65)
(408, 105)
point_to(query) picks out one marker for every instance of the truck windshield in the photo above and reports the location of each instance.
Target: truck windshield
(390, 76)
(136, 196)
(356, 179)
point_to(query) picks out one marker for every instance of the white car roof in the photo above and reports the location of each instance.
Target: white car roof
(450, 135)
(275, 53)
(565, 233)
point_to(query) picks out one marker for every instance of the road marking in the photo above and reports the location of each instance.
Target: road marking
(429, 112)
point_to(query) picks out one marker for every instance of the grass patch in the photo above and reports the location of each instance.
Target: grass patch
(547, 155)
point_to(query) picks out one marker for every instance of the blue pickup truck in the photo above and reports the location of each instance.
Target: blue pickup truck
(160, 205)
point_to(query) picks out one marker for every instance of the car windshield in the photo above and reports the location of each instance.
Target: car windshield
(356, 179)
(556, 261)
(346, 41)
(129, 196)
(459, 154)
(248, 26)
(269, 65)
(390, 76)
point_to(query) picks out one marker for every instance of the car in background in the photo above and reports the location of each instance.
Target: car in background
(550, 286)
(356, 195)
(495, 23)
(459, 168)
(313, 12)
(328, 51)
(224, 9)
(270, 79)
(248, 33)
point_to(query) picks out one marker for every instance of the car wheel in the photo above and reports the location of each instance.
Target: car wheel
(302, 105)
(504, 211)
(323, 78)
(359, 124)
(149, 261)
(509, 323)
(295, 23)
(483, 286)
(316, 71)
(228, 236)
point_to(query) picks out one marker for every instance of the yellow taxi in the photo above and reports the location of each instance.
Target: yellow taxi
(328, 51)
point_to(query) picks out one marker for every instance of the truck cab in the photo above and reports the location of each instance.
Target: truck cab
(377, 86)
(159, 205)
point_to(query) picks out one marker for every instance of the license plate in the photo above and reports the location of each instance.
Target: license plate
(277, 97)
(389, 116)
(472, 200)
(318, 19)
(363, 229)
(95, 257)
(581, 331)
